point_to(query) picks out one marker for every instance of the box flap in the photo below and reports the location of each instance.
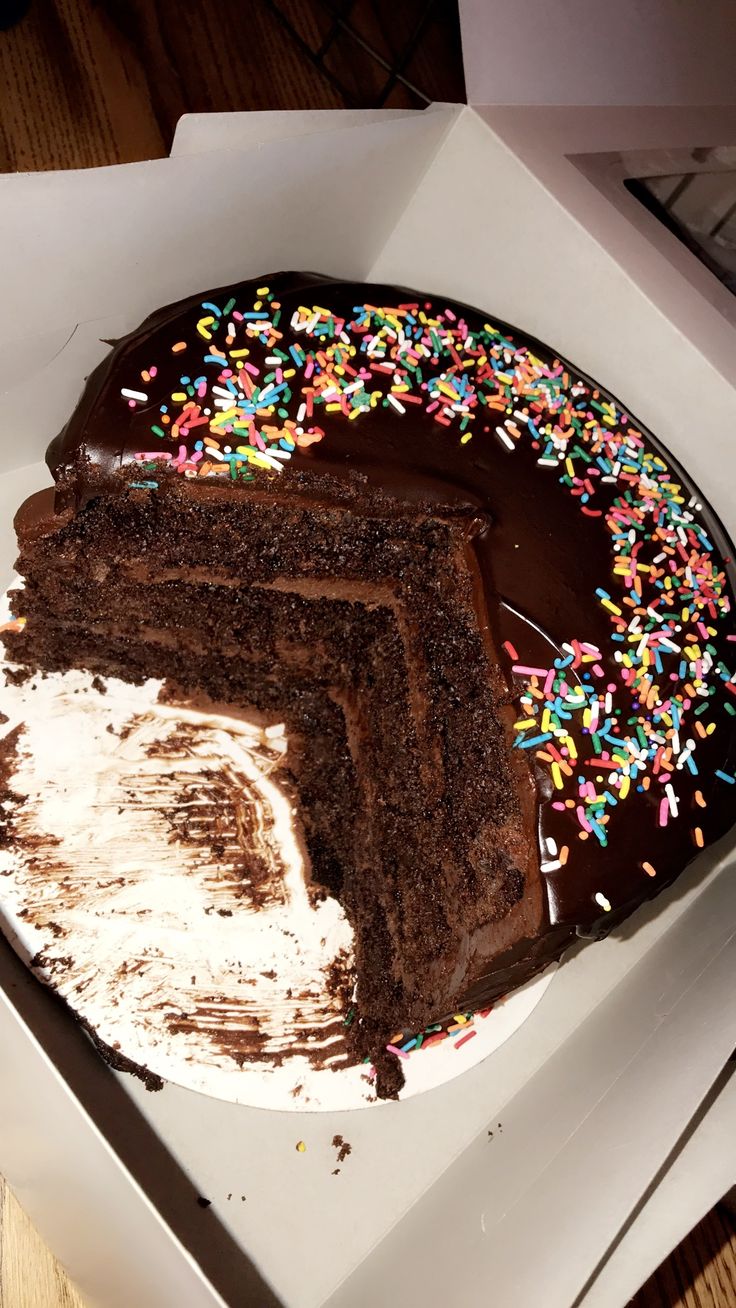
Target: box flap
(699, 1174)
(202, 133)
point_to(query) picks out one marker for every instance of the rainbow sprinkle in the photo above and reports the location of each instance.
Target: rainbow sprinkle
(250, 400)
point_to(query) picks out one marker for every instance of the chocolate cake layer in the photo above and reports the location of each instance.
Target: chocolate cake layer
(494, 615)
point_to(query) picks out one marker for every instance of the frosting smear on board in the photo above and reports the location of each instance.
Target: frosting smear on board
(176, 844)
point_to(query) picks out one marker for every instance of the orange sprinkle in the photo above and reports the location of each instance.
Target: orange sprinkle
(699, 841)
(699, 799)
(563, 854)
(180, 345)
(649, 869)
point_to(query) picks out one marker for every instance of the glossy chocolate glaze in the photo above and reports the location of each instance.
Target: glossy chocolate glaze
(541, 558)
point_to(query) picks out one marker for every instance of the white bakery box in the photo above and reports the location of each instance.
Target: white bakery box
(562, 1169)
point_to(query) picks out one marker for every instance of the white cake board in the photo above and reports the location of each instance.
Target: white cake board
(165, 955)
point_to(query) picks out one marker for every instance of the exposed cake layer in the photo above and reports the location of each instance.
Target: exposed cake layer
(431, 852)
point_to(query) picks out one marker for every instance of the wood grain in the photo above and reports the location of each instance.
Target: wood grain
(30, 1276)
(700, 1273)
(94, 82)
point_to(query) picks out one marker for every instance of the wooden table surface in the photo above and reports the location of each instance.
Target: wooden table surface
(90, 82)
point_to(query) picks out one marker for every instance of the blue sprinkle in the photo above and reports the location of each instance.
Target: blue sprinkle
(535, 740)
(725, 776)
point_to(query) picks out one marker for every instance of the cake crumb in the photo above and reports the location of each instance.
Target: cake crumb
(301, 1148)
(343, 1148)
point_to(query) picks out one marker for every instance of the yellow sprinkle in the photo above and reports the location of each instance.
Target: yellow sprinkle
(556, 776)
(301, 1148)
(179, 396)
(261, 290)
(238, 354)
(608, 604)
(624, 787)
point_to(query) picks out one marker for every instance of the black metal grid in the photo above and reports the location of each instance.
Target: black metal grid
(340, 13)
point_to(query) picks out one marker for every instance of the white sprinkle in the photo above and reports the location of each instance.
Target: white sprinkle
(301, 413)
(133, 395)
(551, 845)
(505, 438)
(602, 902)
(546, 463)
(400, 408)
(553, 866)
(672, 798)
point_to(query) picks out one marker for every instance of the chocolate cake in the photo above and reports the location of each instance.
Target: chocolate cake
(493, 614)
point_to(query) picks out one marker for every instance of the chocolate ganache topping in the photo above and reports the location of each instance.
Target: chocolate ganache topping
(607, 580)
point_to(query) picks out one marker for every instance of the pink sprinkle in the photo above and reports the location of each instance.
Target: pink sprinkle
(559, 805)
(152, 371)
(730, 637)
(392, 1049)
(131, 404)
(529, 672)
(510, 649)
(582, 819)
(251, 368)
(664, 810)
(549, 683)
(464, 1039)
(597, 669)
(202, 390)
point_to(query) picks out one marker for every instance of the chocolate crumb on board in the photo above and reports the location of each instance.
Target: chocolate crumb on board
(99, 685)
(343, 1148)
(203, 1203)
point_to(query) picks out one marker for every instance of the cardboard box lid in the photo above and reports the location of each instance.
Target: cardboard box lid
(590, 52)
